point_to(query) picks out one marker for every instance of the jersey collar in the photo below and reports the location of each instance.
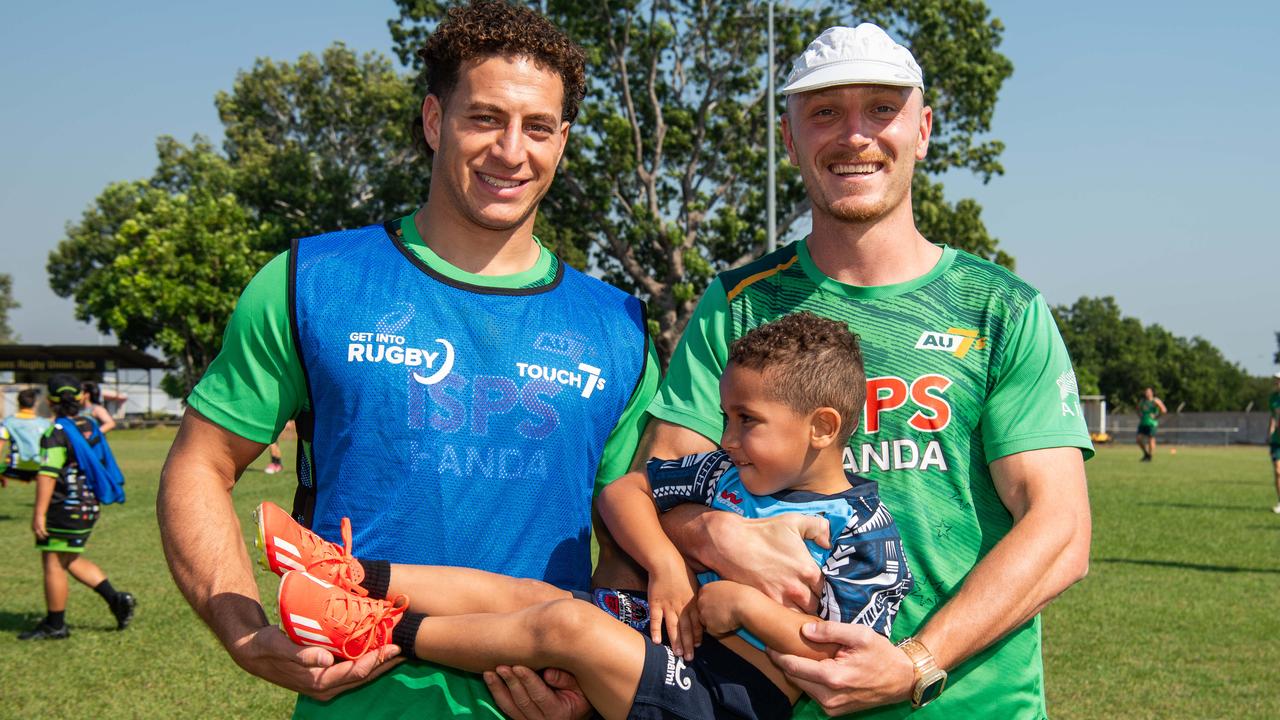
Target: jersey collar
(870, 292)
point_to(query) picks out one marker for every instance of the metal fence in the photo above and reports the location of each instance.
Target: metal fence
(1197, 428)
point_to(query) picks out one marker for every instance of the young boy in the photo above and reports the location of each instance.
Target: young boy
(792, 392)
(65, 512)
(22, 431)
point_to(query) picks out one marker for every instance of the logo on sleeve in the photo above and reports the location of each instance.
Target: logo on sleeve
(1068, 389)
(957, 341)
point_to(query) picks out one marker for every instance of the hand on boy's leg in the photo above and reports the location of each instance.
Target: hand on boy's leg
(271, 655)
(867, 670)
(525, 695)
(673, 607)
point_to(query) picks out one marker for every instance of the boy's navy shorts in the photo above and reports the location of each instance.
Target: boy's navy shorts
(717, 683)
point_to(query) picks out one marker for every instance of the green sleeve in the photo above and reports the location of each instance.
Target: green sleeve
(53, 452)
(690, 393)
(1035, 403)
(620, 447)
(255, 384)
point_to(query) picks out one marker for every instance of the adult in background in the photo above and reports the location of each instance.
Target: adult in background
(460, 392)
(91, 406)
(1150, 408)
(972, 425)
(66, 510)
(20, 435)
(1273, 435)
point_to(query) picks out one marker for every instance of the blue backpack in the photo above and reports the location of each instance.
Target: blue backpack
(96, 461)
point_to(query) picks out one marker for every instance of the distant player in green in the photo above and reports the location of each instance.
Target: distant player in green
(20, 435)
(1273, 435)
(65, 512)
(973, 427)
(1150, 408)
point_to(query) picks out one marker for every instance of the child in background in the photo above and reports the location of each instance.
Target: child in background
(792, 393)
(91, 406)
(22, 432)
(66, 509)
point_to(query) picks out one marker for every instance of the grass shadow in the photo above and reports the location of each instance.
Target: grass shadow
(11, 622)
(1189, 566)
(1203, 506)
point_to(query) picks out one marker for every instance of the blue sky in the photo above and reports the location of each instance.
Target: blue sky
(1140, 157)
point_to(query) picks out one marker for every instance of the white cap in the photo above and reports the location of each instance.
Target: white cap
(864, 55)
(1276, 376)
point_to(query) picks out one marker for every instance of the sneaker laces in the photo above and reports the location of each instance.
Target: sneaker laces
(370, 621)
(349, 573)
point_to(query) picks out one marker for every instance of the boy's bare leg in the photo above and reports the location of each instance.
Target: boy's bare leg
(55, 582)
(82, 569)
(606, 656)
(441, 590)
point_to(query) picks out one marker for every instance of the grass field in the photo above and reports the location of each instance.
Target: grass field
(1177, 619)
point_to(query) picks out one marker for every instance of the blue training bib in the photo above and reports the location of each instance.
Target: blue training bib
(457, 424)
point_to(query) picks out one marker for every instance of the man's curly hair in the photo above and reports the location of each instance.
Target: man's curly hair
(810, 362)
(488, 28)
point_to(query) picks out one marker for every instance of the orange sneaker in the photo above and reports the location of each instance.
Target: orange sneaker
(314, 612)
(285, 545)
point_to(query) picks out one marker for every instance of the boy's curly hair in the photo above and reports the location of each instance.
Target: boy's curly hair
(810, 362)
(487, 28)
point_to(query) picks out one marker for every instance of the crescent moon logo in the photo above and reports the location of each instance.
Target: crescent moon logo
(445, 367)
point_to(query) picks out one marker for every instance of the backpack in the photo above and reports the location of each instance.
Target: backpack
(96, 461)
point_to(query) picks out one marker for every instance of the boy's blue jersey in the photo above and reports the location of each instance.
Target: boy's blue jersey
(23, 435)
(865, 571)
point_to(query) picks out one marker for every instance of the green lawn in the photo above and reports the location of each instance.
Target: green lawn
(1177, 619)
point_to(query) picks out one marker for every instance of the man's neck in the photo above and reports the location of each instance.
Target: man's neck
(887, 251)
(474, 249)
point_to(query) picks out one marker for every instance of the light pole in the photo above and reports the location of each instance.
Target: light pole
(770, 197)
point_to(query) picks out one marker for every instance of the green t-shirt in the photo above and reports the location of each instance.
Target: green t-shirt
(1149, 411)
(255, 385)
(1274, 403)
(965, 365)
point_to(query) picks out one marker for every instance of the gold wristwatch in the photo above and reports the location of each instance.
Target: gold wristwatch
(930, 679)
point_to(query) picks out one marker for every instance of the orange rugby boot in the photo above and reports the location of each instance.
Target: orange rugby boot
(314, 612)
(285, 545)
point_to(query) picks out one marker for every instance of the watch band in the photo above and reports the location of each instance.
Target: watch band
(930, 679)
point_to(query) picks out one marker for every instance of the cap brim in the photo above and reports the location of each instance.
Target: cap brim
(853, 72)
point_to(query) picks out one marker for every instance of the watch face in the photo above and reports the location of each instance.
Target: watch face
(930, 692)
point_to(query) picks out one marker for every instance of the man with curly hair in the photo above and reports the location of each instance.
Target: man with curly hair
(460, 393)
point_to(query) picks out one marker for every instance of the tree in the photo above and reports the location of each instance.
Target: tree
(160, 263)
(663, 180)
(324, 143)
(317, 145)
(7, 303)
(1119, 357)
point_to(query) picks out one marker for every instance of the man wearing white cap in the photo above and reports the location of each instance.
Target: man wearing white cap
(972, 426)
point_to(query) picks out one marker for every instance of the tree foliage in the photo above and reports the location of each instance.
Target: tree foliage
(312, 146)
(663, 183)
(7, 303)
(324, 143)
(160, 263)
(1118, 357)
